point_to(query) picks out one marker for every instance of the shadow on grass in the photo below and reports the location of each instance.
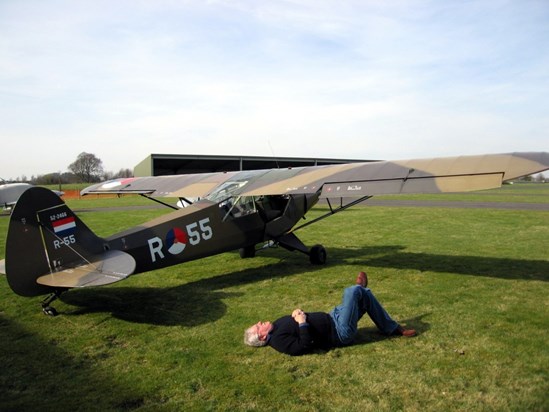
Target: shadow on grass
(395, 257)
(201, 302)
(372, 334)
(37, 374)
(189, 304)
(502, 268)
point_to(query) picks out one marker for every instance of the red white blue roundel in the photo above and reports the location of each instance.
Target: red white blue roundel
(118, 182)
(176, 240)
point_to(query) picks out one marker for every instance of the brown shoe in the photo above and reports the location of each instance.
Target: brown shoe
(408, 333)
(362, 279)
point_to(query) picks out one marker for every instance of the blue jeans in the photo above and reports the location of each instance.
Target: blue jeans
(357, 301)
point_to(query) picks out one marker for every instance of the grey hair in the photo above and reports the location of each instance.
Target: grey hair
(251, 337)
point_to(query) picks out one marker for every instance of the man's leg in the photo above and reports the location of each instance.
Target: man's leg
(377, 312)
(357, 301)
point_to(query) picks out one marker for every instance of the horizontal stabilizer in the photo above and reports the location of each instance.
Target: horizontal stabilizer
(112, 266)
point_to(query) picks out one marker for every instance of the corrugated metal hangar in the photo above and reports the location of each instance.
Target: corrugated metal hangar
(173, 164)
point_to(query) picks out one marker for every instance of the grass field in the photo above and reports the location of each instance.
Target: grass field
(473, 282)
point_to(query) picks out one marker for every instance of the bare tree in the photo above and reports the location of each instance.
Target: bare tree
(125, 173)
(87, 167)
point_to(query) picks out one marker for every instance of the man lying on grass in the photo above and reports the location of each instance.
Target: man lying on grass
(303, 332)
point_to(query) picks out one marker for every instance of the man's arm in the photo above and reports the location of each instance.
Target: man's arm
(292, 335)
(299, 316)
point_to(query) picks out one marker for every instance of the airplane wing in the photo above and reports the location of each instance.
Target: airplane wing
(435, 175)
(190, 185)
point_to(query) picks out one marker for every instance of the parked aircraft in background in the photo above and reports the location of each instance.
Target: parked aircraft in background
(50, 250)
(10, 193)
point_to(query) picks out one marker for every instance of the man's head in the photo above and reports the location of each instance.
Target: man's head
(256, 335)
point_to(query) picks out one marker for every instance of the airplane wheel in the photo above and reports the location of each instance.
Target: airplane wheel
(48, 310)
(317, 255)
(247, 252)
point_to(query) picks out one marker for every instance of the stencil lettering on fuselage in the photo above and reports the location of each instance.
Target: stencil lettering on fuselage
(62, 226)
(177, 240)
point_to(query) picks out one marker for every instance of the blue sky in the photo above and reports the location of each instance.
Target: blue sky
(346, 79)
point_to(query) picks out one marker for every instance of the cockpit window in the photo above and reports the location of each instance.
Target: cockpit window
(235, 207)
(232, 205)
(226, 190)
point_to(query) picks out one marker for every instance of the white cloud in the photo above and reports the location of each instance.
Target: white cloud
(333, 79)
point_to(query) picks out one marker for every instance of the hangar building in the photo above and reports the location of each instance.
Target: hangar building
(173, 164)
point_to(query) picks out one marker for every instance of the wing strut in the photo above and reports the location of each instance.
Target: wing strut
(333, 210)
(157, 201)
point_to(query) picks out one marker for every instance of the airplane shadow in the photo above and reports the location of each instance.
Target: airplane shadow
(200, 302)
(189, 304)
(494, 267)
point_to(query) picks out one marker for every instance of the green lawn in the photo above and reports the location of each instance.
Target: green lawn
(473, 282)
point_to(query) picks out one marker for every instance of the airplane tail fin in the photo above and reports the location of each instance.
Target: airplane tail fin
(49, 248)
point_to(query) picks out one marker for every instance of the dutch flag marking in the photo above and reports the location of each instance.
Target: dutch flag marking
(64, 227)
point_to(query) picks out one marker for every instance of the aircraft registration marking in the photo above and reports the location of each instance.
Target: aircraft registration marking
(64, 228)
(176, 240)
(64, 241)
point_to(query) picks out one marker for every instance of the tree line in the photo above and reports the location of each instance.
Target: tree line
(87, 168)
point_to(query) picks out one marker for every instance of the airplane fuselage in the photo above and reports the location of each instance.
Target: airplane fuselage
(204, 229)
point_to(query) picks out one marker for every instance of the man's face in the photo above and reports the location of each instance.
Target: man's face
(263, 329)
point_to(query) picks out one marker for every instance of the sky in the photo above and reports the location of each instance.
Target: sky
(353, 79)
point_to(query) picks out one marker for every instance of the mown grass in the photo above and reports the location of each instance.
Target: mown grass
(473, 282)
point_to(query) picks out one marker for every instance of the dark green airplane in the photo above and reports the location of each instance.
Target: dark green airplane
(50, 250)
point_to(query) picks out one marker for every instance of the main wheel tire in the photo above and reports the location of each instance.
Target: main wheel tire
(247, 252)
(317, 255)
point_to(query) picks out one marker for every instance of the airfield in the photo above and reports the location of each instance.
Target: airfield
(470, 272)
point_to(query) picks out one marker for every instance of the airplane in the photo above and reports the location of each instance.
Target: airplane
(49, 250)
(10, 192)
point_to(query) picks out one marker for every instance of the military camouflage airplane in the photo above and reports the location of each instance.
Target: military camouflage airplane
(50, 250)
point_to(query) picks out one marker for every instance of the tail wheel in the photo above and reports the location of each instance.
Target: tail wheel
(50, 311)
(317, 255)
(46, 308)
(247, 252)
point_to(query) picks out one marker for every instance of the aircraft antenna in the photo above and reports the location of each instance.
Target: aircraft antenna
(273, 153)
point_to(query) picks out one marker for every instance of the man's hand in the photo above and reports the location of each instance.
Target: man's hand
(299, 316)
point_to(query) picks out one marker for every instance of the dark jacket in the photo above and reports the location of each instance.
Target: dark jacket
(290, 338)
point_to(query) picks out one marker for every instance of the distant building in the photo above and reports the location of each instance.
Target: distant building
(172, 164)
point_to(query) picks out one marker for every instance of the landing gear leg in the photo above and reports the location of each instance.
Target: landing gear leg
(46, 308)
(317, 254)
